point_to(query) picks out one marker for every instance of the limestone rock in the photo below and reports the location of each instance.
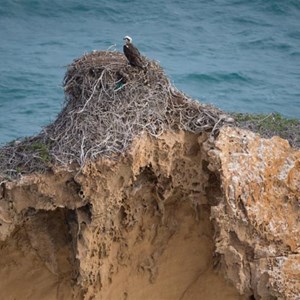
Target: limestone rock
(180, 216)
(257, 224)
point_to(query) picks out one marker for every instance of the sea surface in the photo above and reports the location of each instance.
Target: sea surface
(238, 55)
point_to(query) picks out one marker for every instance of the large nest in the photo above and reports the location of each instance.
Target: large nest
(107, 104)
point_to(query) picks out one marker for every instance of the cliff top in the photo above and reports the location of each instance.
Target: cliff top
(268, 125)
(107, 104)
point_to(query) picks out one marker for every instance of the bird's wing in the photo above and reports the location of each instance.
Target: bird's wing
(133, 55)
(134, 50)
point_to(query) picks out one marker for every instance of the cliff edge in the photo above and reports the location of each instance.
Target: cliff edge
(137, 191)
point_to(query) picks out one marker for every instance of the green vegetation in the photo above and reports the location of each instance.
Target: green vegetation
(273, 121)
(41, 149)
(268, 125)
(19, 170)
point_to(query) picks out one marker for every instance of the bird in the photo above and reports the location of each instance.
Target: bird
(132, 53)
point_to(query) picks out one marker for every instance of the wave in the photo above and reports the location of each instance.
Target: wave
(266, 43)
(55, 8)
(295, 54)
(250, 21)
(277, 7)
(218, 77)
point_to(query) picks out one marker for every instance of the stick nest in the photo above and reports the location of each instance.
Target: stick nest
(107, 104)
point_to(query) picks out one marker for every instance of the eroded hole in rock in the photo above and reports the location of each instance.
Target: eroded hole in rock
(142, 236)
(84, 213)
(41, 250)
(152, 238)
(213, 187)
(154, 260)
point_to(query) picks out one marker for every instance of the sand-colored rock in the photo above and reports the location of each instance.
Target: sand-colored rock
(180, 216)
(258, 223)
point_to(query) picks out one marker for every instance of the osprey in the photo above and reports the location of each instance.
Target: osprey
(132, 53)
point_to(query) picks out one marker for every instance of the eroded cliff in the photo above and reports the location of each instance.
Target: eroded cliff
(185, 208)
(178, 217)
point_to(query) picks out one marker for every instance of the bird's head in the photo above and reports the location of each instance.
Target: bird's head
(127, 39)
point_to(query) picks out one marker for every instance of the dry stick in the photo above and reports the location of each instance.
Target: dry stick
(94, 89)
(268, 116)
(215, 126)
(99, 119)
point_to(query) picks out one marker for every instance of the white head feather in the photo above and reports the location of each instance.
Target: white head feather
(127, 38)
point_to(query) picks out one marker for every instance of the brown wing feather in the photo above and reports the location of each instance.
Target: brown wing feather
(133, 55)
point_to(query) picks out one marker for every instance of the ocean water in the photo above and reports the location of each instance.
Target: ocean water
(239, 55)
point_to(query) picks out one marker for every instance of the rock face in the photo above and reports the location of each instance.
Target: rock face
(179, 216)
(258, 221)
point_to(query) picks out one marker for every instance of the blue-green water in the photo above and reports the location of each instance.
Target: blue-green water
(239, 55)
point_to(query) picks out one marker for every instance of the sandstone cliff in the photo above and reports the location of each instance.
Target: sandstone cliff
(138, 192)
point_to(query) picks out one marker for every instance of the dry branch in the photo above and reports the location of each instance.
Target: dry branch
(107, 104)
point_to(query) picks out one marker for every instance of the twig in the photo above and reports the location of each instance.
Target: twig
(100, 119)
